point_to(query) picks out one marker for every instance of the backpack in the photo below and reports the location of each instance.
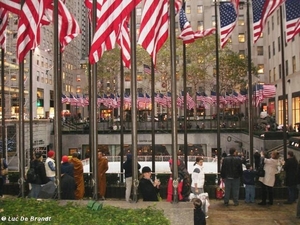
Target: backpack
(31, 175)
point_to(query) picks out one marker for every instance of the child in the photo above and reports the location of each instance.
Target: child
(199, 215)
(249, 182)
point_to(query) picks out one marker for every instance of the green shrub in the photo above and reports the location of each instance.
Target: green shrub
(73, 213)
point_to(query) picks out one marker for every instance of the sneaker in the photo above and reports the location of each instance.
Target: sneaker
(206, 217)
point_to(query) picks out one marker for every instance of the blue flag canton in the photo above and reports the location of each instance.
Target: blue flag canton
(227, 14)
(258, 6)
(292, 9)
(182, 18)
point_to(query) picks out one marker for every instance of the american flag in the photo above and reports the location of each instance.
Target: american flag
(3, 24)
(187, 33)
(262, 9)
(147, 69)
(204, 33)
(112, 13)
(292, 23)
(13, 6)
(269, 90)
(228, 19)
(124, 42)
(154, 26)
(29, 26)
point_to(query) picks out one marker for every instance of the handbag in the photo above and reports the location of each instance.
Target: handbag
(261, 172)
(4, 171)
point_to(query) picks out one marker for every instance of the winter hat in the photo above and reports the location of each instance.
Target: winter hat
(65, 159)
(51, 153)
(146, 169)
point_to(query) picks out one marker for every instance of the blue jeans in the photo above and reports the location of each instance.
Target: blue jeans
(35, 190)
(292, 190)
(232, 185)
(249, 193)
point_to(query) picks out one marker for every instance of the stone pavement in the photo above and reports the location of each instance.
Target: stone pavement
(244, 214)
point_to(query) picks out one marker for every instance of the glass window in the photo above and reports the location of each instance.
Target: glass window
(199, 9)
(260, 50)
(188, 9)
(138, 11)
(242, 54)
(279, 71)
(241, 38)
(270, 76)
(286, 67)
(200, 25)
(260, 68)
(241, 20)
(294, 64)
(280, 112)
(296, 109)
(279, 42)
(273, 44)
(274, 73)
(213, 20)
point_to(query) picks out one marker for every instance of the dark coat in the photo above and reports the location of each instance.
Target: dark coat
(199, 217)
(40, 171)
(68, 187)
(148, 191)
(291, 167)
(127, 166)
(231, 167)
(67, 168)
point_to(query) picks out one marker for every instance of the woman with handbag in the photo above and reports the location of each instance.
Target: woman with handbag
(268, 181)
(3, 174)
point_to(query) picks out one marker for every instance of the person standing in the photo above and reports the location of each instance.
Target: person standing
(41, 177)
(298, 186)
(78, 176)
(291, 167)
(66, 167)
(231, 172)
(127, 166)
(3, 166)
(50, 165)
(199, 215)
(68, 187)
(102, 168)
(147, 187)
(249, 182)
(268, 181)
(256, 156)
(198, 177)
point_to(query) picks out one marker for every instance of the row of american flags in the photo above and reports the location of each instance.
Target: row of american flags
(260, 92)
(113, 23)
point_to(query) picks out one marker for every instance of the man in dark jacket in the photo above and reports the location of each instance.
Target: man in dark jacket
(291, 166)
(41, 177)
(231, 172)
(127, 166)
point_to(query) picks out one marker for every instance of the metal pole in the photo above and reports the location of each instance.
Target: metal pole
(250, 109)
(152, 115)
(218, 88)
(185, 105)
(284, 97)
(133, 88)
(3, 103)
(93, 112)
(57, 98)
(30, 107)
(173, 102)
(122, 117)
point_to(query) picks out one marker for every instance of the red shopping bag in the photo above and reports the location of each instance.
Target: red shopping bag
(220, 191)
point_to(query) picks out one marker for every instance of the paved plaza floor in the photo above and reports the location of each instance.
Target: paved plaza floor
(244, 214)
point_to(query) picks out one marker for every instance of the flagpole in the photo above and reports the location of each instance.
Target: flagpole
(30, 106)
(121, 115)
(217, 88)
(57, 97)
(250, 109)
(284, 128)
(152, 115)
(133, 87)
(93, 112)
(3, 104)
(185, 104)
(173, 101)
